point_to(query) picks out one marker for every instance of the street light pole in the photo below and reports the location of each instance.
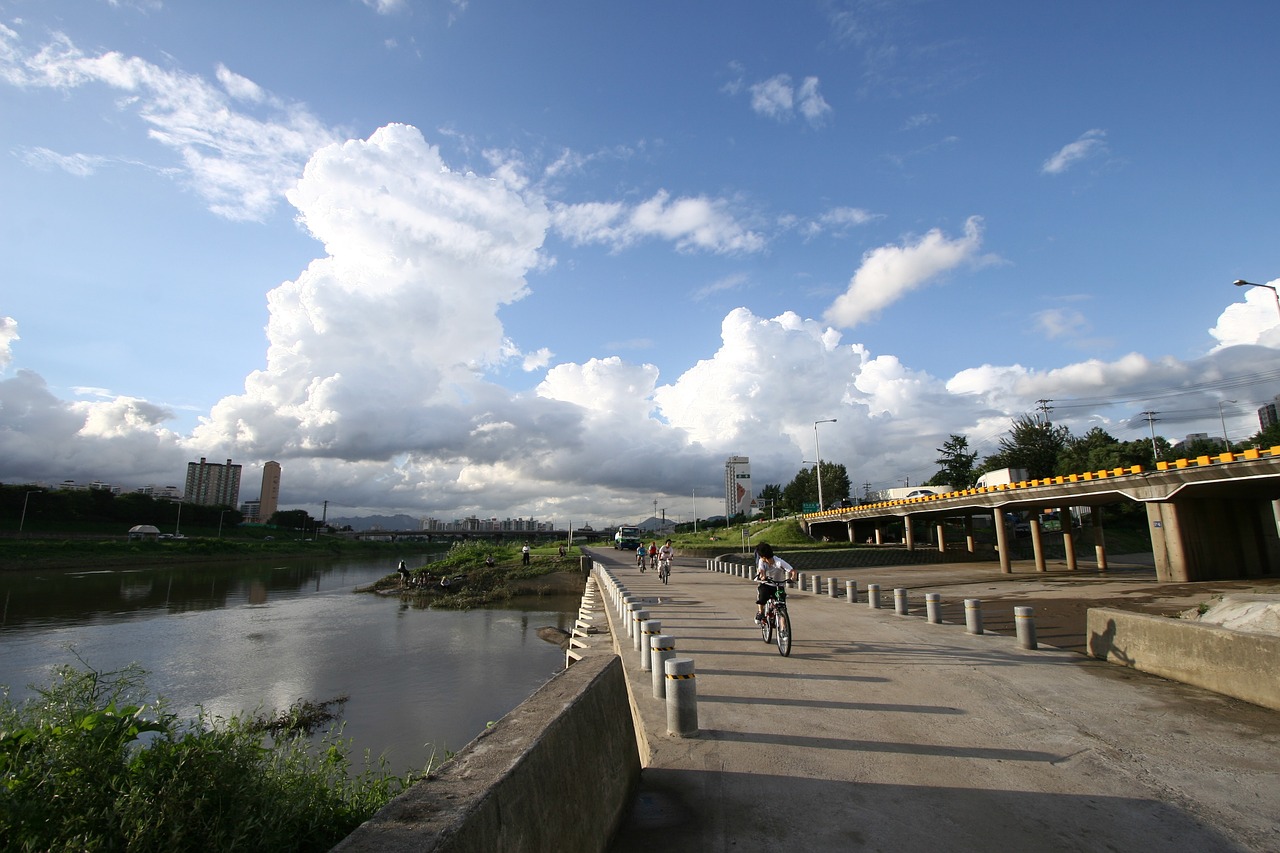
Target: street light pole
(1226, 441)
(1242, 283)
(177, 525)
(23, 519)
(220, 515)
(818, 456)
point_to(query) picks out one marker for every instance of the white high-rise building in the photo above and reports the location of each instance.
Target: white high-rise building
(737, 486)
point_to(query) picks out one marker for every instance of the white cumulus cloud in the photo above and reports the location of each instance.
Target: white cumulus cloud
(888, 273)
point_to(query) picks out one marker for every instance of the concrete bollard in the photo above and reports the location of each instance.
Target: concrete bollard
(831, 586)
(873, 596)
(638, 618)
(933, 607)
(800, 576)
(813, 584)
(662, 648)
(900, 601)
(851, 591)
(1024, 623)
(973, 616)
(630, 618)
(682, 697)
(625, 602)
(650, 628)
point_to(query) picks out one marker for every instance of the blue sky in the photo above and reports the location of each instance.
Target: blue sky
(559, 260)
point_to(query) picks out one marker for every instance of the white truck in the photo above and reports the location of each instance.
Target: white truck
(1001, 477)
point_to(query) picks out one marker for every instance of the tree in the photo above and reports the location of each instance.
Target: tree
(1269, 437)
(803, 489)
(1032, 444)
(956, 464)
(769, 495)
(295, 519)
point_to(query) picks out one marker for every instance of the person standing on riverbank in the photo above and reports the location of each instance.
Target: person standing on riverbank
(403, 571)
(524, 554)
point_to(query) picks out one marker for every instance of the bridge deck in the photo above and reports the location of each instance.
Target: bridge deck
(883, 732)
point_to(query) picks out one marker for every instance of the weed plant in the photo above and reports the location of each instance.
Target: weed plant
(87, 764)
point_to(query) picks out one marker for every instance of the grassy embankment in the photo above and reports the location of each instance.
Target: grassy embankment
(472, 583)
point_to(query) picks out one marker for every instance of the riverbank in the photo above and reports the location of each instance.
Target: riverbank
(74, 553)
(463, 587)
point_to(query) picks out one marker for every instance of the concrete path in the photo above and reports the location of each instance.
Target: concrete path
(886, 733)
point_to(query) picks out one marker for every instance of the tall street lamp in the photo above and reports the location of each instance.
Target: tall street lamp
(818, 456)
(177, 525)
(1223, 420)
(23, 519)
(220, 515)
(1242, 283)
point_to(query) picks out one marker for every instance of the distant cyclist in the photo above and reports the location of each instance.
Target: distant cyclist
(769, 568)
(653, 555)
(641, 553)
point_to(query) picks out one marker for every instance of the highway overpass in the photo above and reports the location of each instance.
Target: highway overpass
(1210, 518)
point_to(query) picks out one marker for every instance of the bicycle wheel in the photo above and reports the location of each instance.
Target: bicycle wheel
(766, 626)
(666, 574)
(784, 633)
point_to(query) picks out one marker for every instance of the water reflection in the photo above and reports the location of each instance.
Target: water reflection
(240, 637)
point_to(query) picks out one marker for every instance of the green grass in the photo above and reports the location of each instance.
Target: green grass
(89, 764)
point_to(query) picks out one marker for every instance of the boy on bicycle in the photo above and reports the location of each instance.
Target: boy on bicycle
(769, 568)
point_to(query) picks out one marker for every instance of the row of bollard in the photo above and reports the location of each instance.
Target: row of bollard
(672, 677)
(1024, 617)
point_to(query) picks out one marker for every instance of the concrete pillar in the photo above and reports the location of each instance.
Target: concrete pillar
(1068, 541)
(908, 535)
(831, 586)
(973, 616)
(1002, 543)
(849, 529)
(851, 591)
(630, 618)
(941, 529)
(900, 601)
(1099, 538)
(873, 596)
(970, 541)
(814, 584)
(880, 528)
(682, 697)
(662, 648)
(1037, 542)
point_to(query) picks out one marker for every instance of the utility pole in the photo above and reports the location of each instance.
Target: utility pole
(1151, 422)
(1045, 408)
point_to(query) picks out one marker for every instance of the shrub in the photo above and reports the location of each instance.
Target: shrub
(85, 764)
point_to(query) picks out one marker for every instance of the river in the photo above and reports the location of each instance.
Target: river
(244, 637)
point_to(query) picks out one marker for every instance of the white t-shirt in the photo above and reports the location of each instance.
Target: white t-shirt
(778, 570)
(665, 552)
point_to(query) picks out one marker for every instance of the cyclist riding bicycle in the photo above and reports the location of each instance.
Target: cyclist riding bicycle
(665, 554)
(641, 553)
(771, 571)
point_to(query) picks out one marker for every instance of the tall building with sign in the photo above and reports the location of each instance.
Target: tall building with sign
(210, 484)
(737, 486)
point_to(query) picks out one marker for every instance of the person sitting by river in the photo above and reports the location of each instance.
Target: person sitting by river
(489, 561)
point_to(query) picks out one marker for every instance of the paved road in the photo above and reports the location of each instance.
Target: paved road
(886, 733)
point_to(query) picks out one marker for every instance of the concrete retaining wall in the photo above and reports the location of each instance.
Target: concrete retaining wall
(1234, 663)
(557, 773)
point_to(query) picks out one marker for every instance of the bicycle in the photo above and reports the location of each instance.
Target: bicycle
(664, 570)
(640, 561)
(776, 619)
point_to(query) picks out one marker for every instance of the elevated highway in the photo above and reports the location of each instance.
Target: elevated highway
(1210, 518)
